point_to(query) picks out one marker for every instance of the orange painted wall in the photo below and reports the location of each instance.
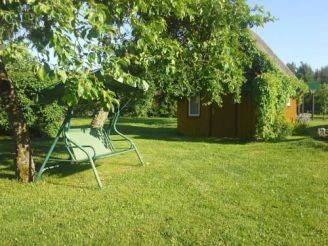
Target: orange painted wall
(291, 111)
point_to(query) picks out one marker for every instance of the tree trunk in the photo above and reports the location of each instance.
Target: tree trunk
(25, 167)
(299, 108)
(99, 119)
(312, 106)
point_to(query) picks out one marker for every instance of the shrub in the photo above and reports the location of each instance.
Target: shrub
(282, 128)
(42, 120)
(49, 120)
(322, 98)
(300, 128)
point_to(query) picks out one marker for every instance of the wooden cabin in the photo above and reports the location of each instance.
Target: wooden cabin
(236, 120)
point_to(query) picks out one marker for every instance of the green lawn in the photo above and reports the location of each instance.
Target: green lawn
(192, 191)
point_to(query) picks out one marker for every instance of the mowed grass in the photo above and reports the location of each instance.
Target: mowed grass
(192, 191)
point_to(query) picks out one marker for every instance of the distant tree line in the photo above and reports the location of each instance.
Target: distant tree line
(305, 72)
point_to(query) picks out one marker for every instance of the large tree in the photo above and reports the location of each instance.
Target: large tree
(292, 66)
(322, 99)
(321, 75)
(199, 54)
(211, 45)
(305, 72)
(193, 45)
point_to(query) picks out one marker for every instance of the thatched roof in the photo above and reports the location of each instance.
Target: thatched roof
(262, 46)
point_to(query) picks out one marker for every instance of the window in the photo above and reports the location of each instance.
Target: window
(194, 106)
(289, 102)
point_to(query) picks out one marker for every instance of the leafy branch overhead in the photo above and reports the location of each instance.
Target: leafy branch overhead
(192, 44)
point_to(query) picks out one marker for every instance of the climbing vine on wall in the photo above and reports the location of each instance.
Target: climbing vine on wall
(272, 90)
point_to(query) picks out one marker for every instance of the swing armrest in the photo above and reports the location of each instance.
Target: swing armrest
(86, 146)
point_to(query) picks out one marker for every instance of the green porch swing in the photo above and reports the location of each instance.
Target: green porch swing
(86, 144)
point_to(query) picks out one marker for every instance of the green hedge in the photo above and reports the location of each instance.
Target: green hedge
(41, 119)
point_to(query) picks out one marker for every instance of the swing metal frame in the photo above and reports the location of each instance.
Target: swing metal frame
(99, 144)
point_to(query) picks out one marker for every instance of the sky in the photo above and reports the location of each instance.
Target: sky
(300, 33)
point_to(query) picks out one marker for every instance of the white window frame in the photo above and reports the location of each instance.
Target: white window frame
(189, 106)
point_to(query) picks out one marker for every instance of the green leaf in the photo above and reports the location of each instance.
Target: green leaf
(62, 74)
(92, 33)
(42, 73)
(80, 90)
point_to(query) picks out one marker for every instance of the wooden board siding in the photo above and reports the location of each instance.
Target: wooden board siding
(230, 120)
(193, 126)
(234, 119)
(224, 118)
(246, 124)
(291, 111)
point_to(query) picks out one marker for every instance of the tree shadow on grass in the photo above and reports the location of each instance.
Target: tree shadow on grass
(66, 169)
(40, 148)
(164, 129)
(7, 170)
(171, 135)
(289, 140)
(312, 132)
(139, 128)
(149, 121)
(168, 132)
(60, 169)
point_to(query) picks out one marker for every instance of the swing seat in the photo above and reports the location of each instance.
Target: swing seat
(84, 143)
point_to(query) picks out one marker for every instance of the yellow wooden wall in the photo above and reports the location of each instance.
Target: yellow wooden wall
(246, 123)
(193, 126)
(230, 120)
(291, 111)
(223, 120)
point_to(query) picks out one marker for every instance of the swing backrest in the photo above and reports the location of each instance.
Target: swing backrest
(94, 142)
